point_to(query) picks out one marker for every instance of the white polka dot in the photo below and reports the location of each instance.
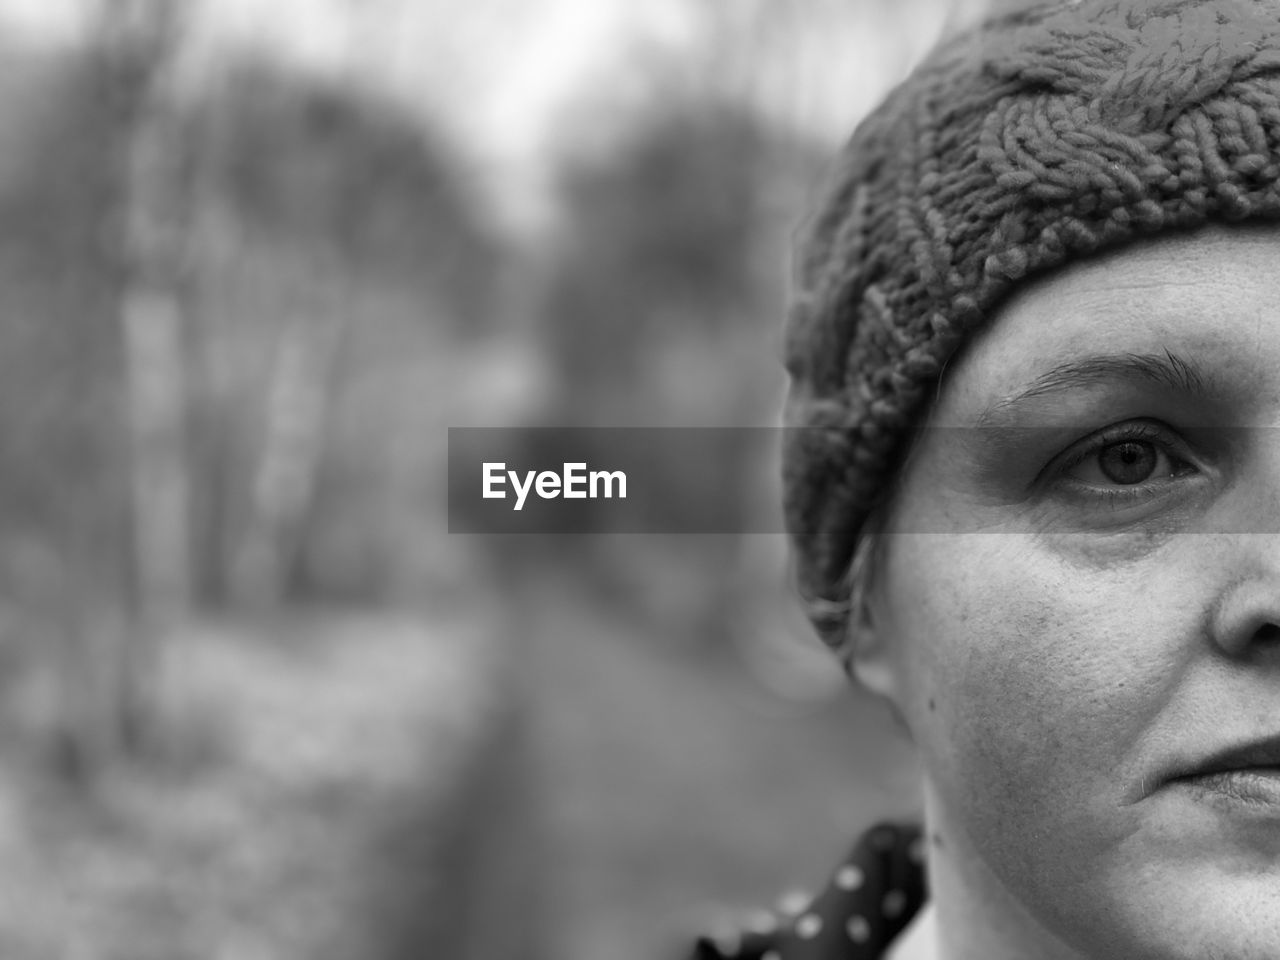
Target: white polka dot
(808, 926)
(762, 922)
(771, 955)
(794, 902)
(728, 942)
(849, 877)
(858, 929)
(895, 901)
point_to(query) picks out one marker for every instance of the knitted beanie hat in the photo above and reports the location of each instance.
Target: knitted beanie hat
(1036, 139)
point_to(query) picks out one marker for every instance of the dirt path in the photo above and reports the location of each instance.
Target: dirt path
(673, 782)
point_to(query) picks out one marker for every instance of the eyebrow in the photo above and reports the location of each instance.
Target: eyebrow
(1165, 370)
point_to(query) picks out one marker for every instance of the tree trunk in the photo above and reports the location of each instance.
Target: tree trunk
(296, 423)
(141, 46)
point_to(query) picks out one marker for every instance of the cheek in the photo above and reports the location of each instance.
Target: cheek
(1028, 683)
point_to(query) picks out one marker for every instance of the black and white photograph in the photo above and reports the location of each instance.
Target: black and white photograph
(684, 480)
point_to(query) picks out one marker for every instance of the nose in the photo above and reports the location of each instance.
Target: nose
(1245, 620)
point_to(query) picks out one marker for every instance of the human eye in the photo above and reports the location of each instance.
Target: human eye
(1129, 461)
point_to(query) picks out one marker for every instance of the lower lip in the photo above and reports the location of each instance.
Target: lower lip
(1254, 787)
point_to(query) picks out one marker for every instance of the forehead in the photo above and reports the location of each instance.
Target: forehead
(1212, 297)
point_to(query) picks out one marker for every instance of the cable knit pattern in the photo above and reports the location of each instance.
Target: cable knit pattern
(1038, 138)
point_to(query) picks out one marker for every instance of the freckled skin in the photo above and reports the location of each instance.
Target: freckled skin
(1050, 656)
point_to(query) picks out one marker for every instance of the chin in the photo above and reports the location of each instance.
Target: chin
(1200, 927)
(1180, 911)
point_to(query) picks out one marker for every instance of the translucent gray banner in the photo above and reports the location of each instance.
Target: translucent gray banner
(1060, 479)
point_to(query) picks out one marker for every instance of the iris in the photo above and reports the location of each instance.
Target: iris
(1129, 462)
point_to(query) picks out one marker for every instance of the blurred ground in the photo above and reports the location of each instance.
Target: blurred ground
(675, 784)
(377, 786)
(322, 761)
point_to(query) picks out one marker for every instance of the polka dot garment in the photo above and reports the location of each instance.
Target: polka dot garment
(870, 900)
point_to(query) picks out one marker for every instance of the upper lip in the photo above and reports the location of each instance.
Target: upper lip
(1254, 753)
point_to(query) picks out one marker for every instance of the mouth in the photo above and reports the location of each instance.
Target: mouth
(1246, 774)
(1258, 786)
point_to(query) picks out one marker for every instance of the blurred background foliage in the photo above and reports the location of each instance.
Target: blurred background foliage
(256, 258)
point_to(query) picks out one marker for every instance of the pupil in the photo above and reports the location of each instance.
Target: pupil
(1128, 463)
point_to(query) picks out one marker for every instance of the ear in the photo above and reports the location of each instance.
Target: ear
(871, 660)
(871, 649)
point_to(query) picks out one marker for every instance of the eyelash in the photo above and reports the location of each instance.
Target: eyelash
(1146, 431)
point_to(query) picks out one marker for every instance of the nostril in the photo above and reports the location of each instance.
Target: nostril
(1268, 633)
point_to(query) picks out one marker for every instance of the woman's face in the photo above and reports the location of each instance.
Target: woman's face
(1079, 603)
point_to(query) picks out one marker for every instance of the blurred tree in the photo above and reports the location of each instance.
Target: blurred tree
(66, 573)
(657, 258)
(666, 293)
(216, 295)
(139, 47)
(341, 243)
